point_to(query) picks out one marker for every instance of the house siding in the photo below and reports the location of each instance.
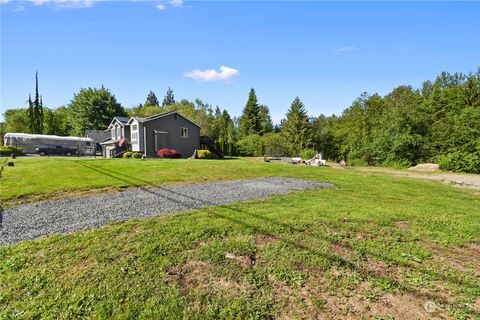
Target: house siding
(171, 138)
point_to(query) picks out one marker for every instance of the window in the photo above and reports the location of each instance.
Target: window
(184, 132)
(134, 136)
(87, 143)
(134, 127)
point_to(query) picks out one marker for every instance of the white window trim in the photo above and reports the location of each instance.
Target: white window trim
(181, 132)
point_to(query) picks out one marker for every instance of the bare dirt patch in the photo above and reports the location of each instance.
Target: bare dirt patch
(476, 306)
(403, 225)
(78, 268)
(464, 259)
(390, 305)
(468, 181)
(192, 274)
(265, 239)
(381, 269)
(197, 275)
(341, 251)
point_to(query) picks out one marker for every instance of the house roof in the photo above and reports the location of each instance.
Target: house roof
(109, 141)
(161, 115)
(121, 120)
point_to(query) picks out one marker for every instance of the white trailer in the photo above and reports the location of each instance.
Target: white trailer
(29, 142)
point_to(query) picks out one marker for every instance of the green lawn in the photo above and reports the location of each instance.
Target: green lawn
(377, 246)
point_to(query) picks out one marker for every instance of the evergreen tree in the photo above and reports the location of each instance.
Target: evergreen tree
(169, 98)
(250, 120)
(296, 128)
(35, 110)
(151, 99)
(266, 124)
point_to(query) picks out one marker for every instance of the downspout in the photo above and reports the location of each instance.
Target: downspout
(144, 141)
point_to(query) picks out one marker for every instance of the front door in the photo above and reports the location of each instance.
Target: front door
(160, 140)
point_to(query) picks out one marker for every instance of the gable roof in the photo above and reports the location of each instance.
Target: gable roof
(161, 115)
(121, 120)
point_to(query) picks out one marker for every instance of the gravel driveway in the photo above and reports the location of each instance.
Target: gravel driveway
(34, 220)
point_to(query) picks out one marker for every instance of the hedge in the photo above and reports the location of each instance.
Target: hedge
(7, 151)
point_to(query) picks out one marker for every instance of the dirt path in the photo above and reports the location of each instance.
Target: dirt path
(470, 181)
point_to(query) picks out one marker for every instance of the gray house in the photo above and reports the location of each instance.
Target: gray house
(147, 135)
(119, 134)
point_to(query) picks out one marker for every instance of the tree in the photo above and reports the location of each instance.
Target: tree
(93, 108)
(266, 124)
(249, 122)
(35, 110)
(2, 131)
(63, 121)
(49, 122)
(151, 99)
(169, 98)
(17, 120)
(296, 128)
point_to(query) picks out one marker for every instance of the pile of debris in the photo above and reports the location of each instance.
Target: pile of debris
(316, 161)
(425, 167)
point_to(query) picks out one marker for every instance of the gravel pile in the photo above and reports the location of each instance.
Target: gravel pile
(34, 220)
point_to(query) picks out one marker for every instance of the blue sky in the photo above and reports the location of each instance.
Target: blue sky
(327, 53)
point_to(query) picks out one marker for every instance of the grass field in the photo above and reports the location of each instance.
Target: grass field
(376, 246)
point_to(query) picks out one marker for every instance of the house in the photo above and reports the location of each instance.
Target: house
(148, 135)
(119, 134)
(98, 137)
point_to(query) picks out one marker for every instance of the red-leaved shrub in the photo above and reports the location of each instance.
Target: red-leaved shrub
(168, 153)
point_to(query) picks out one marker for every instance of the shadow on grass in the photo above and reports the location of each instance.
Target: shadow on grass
(333, 259)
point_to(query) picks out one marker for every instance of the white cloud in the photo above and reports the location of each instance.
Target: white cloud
(225, 74)
(74, 4)
(65, 3)
(344, 49)
(176, 3)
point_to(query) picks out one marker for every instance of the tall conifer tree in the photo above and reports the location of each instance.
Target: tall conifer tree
(250, 119)
(151, 99)
(169, 98)
(35, 110)
(296, 128)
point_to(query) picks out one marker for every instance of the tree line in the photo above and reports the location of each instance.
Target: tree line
(439, 122)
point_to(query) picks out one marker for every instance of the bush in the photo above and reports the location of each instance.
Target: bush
(127, 154)
(357, 163)
(460, 162)
(274, 145)
(168, 153)
(308, 154)
(137, 155)
(205, 154)
(251, 145)
(7, 151)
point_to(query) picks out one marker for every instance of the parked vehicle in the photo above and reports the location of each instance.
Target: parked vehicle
(58, 150)
(30, 142)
